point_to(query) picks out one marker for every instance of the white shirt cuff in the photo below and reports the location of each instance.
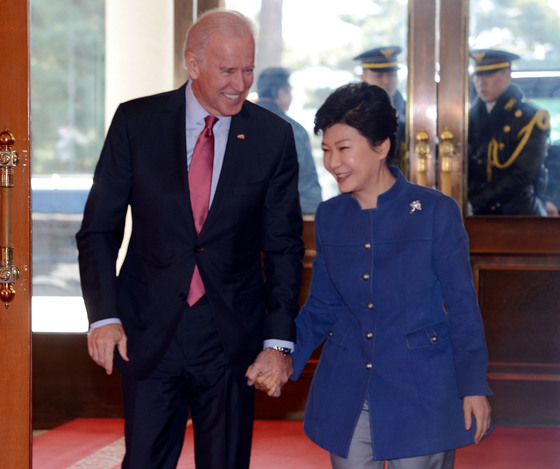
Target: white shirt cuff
(104, 322)
(279, 343)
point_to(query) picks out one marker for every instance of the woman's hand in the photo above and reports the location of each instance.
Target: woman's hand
(270, 371)
(480, 408)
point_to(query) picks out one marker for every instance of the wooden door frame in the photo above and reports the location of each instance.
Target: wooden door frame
(15, 321)
(434, 107)
(452, 95)
(421, 87)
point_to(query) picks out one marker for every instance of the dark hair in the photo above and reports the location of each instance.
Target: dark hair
(367, 108)
(271, 80)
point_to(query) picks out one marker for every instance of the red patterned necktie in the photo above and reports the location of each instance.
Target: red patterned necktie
(200, 180)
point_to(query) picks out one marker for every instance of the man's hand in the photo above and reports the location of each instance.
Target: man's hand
(551, 209)
(269, 383)
(102, 342)
(480, 408)
(270, 371)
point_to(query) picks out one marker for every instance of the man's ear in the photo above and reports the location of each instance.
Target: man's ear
(192, 65)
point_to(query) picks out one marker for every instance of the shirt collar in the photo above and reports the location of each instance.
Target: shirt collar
(490, 105)
(196, 113)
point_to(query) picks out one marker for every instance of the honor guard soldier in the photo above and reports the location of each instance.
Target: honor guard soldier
(380, 67)
(508, 140)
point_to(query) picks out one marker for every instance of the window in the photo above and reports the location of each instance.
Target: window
(68, 126)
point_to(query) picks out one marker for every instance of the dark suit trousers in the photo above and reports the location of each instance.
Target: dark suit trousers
(194, 374)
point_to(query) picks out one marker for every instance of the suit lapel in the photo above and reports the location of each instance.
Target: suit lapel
(173, 143)
(238, 144)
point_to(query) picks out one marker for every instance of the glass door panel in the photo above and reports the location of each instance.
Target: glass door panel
(77, 83)
(529, 30)
(68, 126)
(317, 40)
(437, 94)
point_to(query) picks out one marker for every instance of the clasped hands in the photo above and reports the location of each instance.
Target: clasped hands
(270, 372)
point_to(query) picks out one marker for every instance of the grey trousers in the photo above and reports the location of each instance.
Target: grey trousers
(361, 453)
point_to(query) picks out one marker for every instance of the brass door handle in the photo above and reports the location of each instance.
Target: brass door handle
(9, 273)
(446, 151)
(422, 154)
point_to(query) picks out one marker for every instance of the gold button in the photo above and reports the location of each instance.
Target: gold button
(365, 276)
(369, 366)
(434, 339)
(367, 245)
(370, 306)
(369, 335)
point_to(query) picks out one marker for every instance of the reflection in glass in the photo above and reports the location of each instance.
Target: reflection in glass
(320, 39)
(513, 170)
(380, 67)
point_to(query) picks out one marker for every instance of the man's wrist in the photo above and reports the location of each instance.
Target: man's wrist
(278, 343)
(283, 350)
(103, 322)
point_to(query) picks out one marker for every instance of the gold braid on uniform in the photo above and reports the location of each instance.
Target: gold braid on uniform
(541, 119)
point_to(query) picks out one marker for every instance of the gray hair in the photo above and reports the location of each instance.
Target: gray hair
(215, 21)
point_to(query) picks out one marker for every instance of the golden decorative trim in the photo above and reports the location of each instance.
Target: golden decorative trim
(541, 120)
(383, 65)
(486, 68)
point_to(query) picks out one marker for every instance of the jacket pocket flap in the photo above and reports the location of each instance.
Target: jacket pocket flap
(427, 336)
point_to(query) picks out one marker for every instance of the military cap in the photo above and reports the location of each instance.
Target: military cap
(491, 60)
(381, 59)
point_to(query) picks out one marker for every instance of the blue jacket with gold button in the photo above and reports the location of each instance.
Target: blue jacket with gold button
(392, 299)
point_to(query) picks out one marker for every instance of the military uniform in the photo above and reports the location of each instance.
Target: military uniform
(507, 149)
(380, 60)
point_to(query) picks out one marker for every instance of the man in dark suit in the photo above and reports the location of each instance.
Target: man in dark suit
(177, 356)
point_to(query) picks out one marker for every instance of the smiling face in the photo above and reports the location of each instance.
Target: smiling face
(223, 76)
(358, 167)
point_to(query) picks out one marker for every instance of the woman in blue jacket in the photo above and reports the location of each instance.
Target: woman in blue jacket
(402, 374)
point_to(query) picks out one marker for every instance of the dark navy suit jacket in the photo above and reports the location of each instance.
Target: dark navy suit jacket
(254, 221)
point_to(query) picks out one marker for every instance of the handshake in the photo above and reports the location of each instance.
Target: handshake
(270, 372)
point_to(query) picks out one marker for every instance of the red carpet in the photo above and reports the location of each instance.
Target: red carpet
(99, 444)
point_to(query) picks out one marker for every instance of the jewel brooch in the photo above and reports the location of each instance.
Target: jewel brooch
(416, 205)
